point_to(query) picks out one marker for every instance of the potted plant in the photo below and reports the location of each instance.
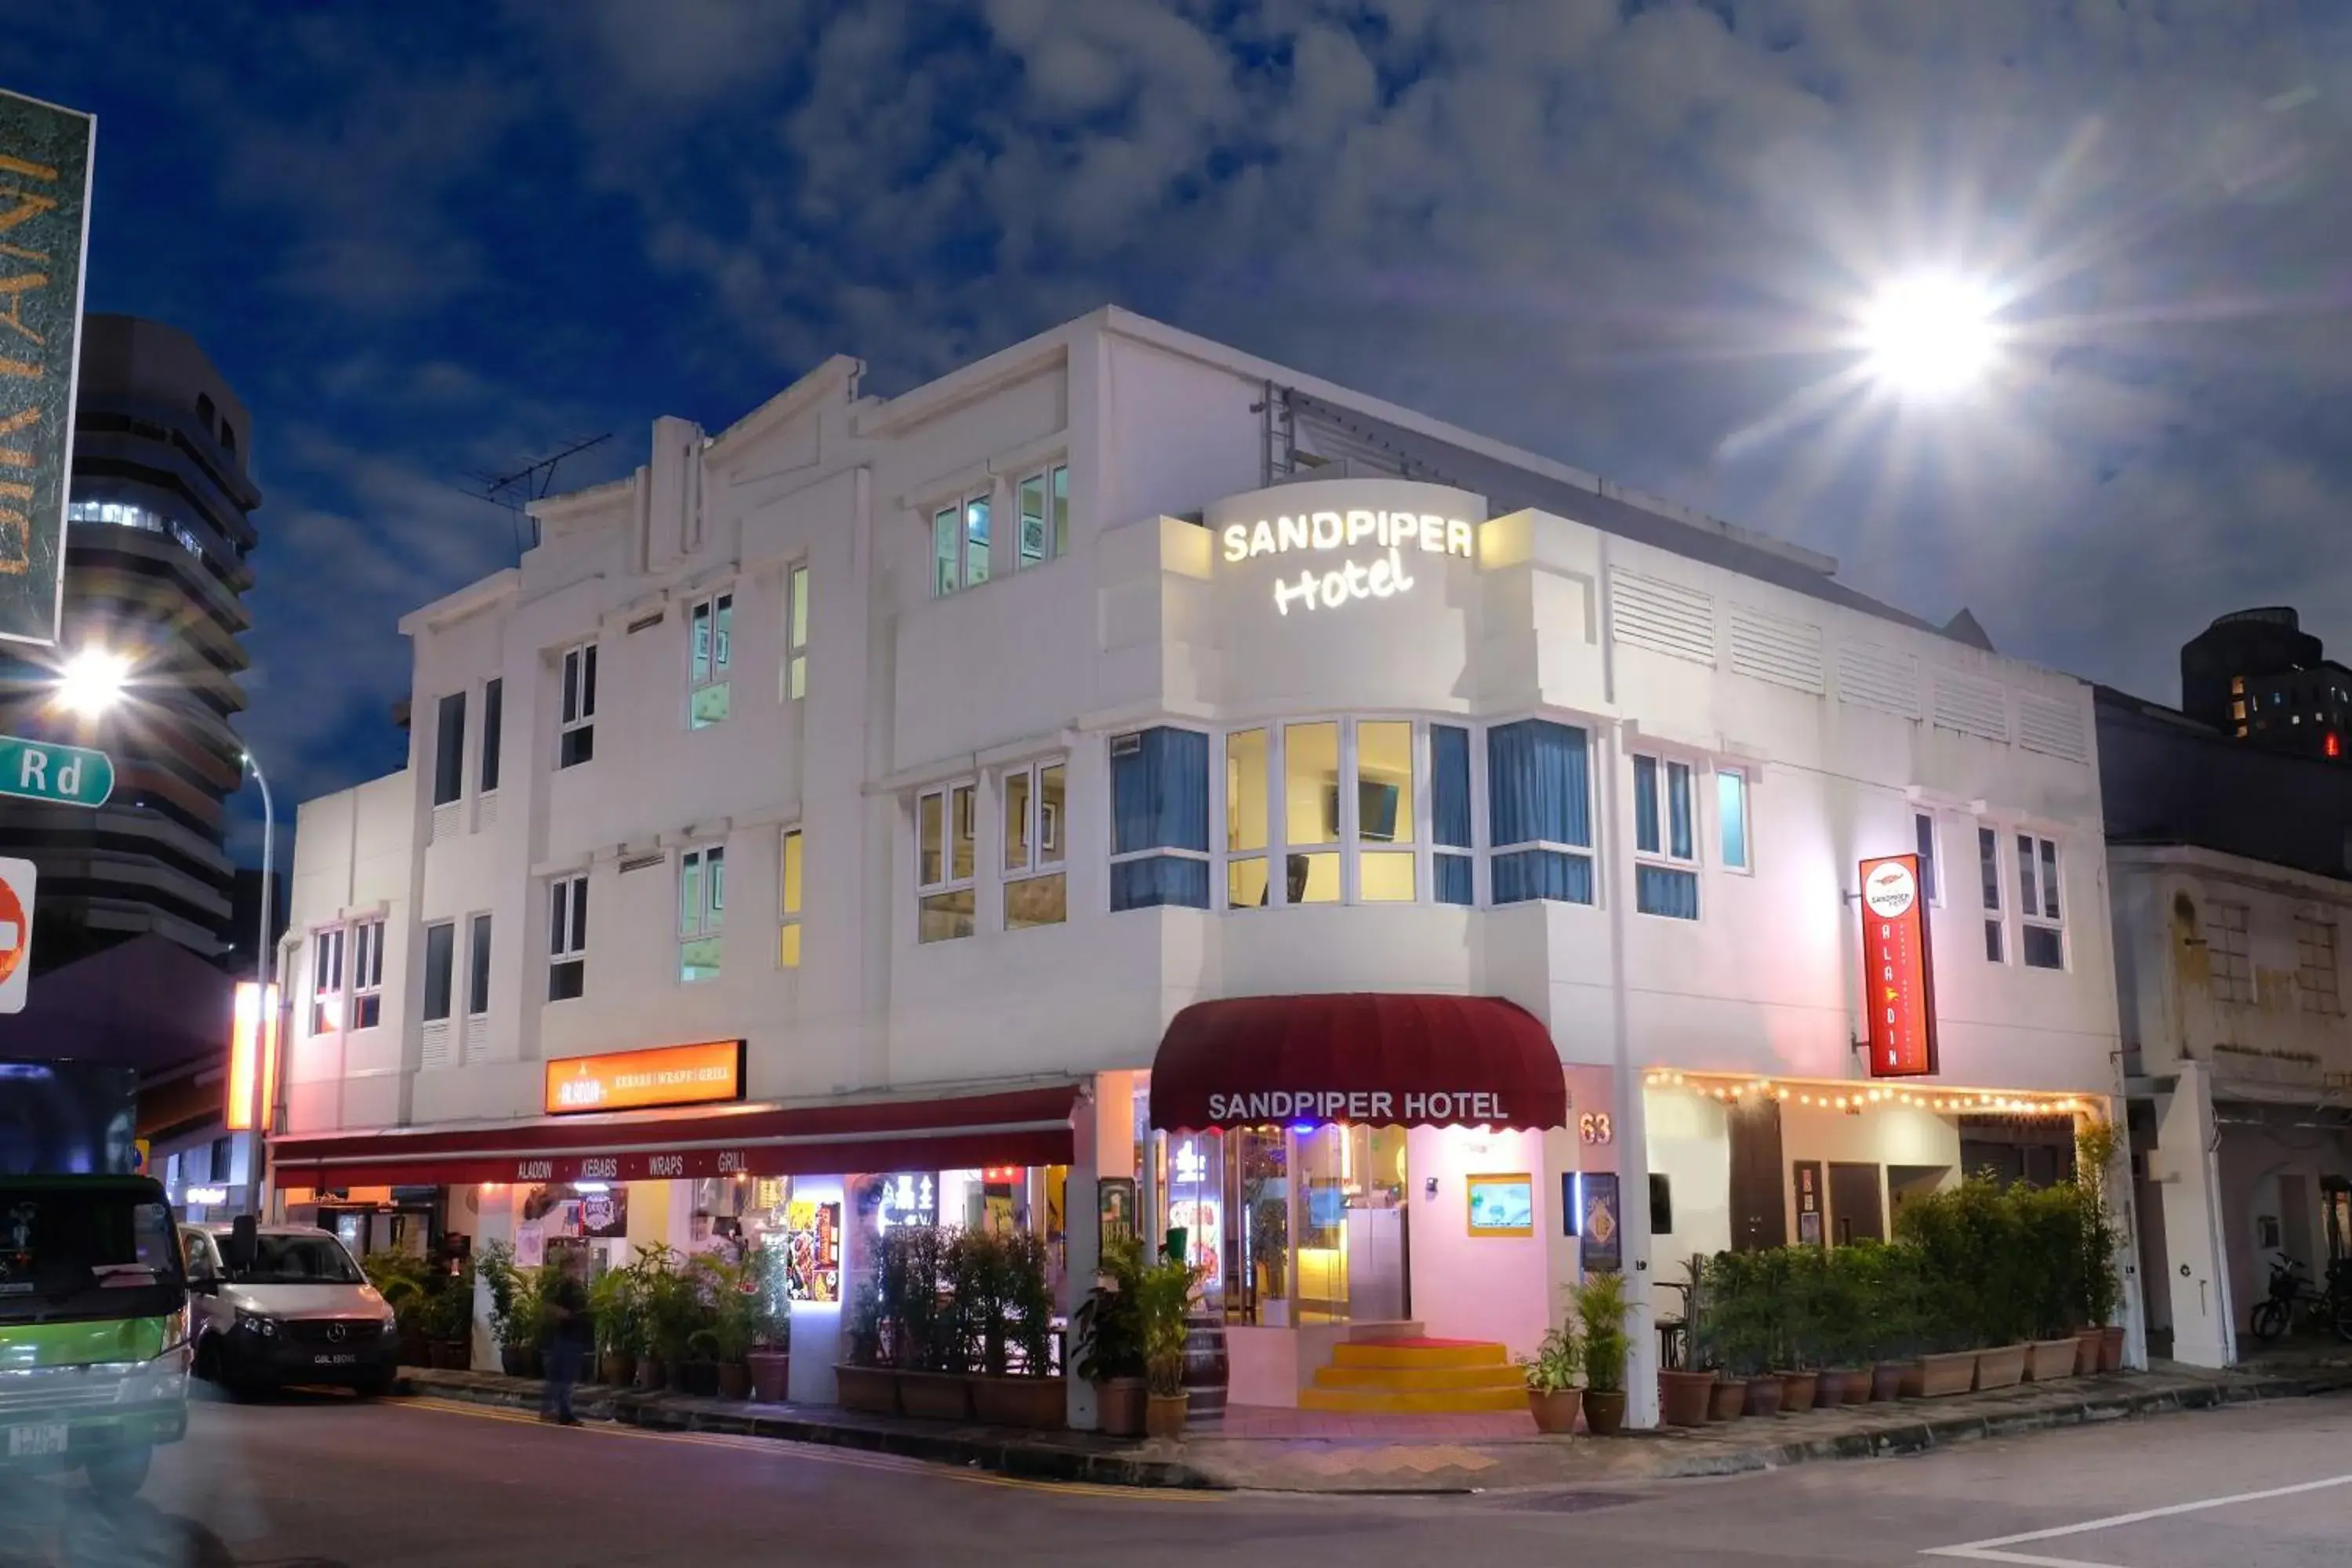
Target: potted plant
(2101, 1288)
(2050, 1221)
(1835, 1311)
(668, 1323)
(446, 1316)
(1884, 1282)
(769, 1360)
(1016, 1385)
(1745, 1328)
(860, 1380)
(616, 1308)
(400, 1279)
(928, 1321)
(1108, 1334)
(1554, 1397)
(1599, 1300)
(1952, 1276)
(1163, 1295)
(514, 1308)
(1685, 1393)
(1792, 1279)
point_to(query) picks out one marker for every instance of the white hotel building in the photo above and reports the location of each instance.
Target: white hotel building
(943, 748)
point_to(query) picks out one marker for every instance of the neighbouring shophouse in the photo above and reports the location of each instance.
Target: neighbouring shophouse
(1125, 772)
(2233, 871)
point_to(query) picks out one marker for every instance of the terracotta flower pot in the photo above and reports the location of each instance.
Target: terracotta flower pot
(1164, 1416)
(872, 1389)
(1039, 1403)
(1119, 1406)
(2001, 1367)
(617, 1368)
(519, 1361)
(1728, 1400)
(734, 1380)
(2086, 1351)
(1682, 1397)
(1556, 1413)
(1797, 1390)
(2047, 1360)
(2111, 1348)
(652, 1374)
(1833, 1390)
(1888, 1377)
(1604, 1412)
(451, 1355)
(1941, 1377)
(1763, 1395)
(772, 1376)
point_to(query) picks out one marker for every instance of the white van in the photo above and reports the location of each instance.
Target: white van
(297, 1309)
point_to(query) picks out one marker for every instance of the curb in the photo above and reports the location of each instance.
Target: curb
(1032, 1457)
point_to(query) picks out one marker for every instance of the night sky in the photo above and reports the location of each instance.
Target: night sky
(425, 240)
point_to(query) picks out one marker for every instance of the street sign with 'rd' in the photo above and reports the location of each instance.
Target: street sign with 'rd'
(67, 775)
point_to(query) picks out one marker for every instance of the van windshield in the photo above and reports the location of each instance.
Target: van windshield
(75, 1251)
(301, 1261)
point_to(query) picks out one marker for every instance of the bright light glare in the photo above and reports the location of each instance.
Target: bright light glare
(92, 681)
(1931, 336)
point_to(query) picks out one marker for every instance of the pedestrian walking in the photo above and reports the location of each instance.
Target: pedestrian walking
(571, 1333)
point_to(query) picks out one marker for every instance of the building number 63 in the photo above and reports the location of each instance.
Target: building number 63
(1593, 1127)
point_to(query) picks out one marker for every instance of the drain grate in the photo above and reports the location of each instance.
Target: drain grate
(1566, 1502)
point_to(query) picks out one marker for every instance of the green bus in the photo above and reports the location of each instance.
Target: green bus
(93, 1327)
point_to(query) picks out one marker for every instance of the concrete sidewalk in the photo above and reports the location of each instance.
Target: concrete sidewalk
(1408, 1463)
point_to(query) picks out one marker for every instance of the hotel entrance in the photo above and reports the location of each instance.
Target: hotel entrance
(1291, 1226)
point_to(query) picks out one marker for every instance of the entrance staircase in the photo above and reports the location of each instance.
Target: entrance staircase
(1416, 1375)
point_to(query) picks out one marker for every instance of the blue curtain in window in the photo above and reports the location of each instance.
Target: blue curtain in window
(1658, 890)
(1528, 874)
(1645, 804)
(1159, 791)
(1539, 784)
(1679, 811)
(1449, 780)
(1162, 880)
(1454, 882)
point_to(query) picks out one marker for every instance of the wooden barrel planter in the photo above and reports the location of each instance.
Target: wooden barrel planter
(1207, 1371)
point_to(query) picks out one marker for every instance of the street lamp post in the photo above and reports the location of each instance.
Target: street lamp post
(265, 1021)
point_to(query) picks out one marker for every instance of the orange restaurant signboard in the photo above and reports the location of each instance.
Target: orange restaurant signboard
(1899, 984)
(641, 1081)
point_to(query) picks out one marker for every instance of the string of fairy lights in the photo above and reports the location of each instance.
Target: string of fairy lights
(1853, 1098)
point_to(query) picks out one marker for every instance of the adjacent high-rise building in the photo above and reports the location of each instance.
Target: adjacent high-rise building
(2259, 675)
(158, 537)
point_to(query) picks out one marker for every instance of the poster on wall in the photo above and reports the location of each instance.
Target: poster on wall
(1501, 1204)
(812, 1251)
(1600, 1234)
(1114, 1211)
(1899, 984)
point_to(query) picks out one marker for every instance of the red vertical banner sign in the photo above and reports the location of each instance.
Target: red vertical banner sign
(1898, 972)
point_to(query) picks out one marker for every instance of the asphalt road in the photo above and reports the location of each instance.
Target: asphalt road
(319, 1481)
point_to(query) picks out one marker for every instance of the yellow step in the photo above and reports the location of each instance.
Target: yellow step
(1418, 1353)
(1444, 1402)
(1418, 1379)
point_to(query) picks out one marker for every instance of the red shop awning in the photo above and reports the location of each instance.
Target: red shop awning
(1019, 1127)
(1376, 1057)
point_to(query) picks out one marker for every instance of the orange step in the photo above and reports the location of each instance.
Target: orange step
(1416, 1376)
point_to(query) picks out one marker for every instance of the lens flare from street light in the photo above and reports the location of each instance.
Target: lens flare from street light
(1931, 336)
(92, 681)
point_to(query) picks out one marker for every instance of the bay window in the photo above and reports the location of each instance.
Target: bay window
(944, 861)
(1664, 844)
(1540, 811)
(1452, 876)
(1311, 814)
(1385, 861)
(1159, 819)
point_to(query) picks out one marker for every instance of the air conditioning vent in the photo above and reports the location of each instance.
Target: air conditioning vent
(1127, 745)
(645, 623)
(641, 863)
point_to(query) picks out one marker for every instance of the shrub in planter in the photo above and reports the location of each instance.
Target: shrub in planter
(615, 1306)
(1016, 1385)
(1106, 1332)
(2099, 1288)
(1890, 1311)
(1598, 1302)
(1163, 1297)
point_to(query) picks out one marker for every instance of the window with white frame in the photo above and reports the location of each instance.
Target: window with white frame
(478, 962)
(2318, 984)
(1989, 881)
(449, 749)
(1339, 801)
(796, 634)
(710, 647)
(1923, 838)
(1732, 827)
(1043, 502)
(1036, 891)
(701, 911)
(440, 970)
(576, 723)
(945, 859)
(367, 974)
(1665, 842)
(567, 937)
(1248, 813)
(2228, 952)
(493, 725)
(960, 545)
(327, 981)
(1539, 812)
(788, 902)
(2042, 933)
(1159, 819)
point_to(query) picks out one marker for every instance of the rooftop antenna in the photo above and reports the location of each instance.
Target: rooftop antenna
(531, 482)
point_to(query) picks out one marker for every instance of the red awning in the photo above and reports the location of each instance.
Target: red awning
(1376, 1057)
(1020, 1127)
